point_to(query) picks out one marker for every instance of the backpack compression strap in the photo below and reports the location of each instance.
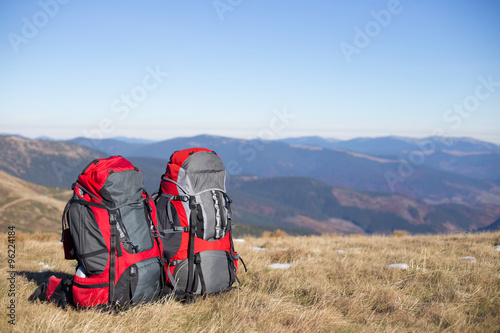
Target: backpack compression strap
(193, 221)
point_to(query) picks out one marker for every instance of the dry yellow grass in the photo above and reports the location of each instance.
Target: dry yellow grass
(325, 290)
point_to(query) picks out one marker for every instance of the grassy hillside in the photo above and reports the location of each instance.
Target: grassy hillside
(325, 290)
(30, 207)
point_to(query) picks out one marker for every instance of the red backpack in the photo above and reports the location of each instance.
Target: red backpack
(110, 228)
(194, 221)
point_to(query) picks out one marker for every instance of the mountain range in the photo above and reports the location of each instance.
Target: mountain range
(436, 176)
(303, 186)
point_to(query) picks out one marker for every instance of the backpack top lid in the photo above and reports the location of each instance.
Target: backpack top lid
(194, 170)
(114, 180)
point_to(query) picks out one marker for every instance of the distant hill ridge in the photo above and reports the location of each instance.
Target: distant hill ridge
(393, 145)
(442, 178)
(429, 200)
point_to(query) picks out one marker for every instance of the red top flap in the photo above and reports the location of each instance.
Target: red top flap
(180, 156)
(177, 159)
(95, 175)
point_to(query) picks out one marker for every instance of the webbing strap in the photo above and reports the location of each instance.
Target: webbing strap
(176, 197)
(88, 203)
(171, 197)
(176, 184)
(87, 191)
(193, 223)
(199, 272)
(174, 262)
(101, 205)
(91, 254)
(112, 223)
(241, 259)
(155, 235)
(228, 201)
(171, 278)
(175, 229)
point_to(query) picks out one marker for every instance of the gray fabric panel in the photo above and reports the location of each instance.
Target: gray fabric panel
(204, 181)
(87, 238)
(205, 171)
(124, 187)
(134, 220)
(148, 283)
(215, 266)
(184, 183)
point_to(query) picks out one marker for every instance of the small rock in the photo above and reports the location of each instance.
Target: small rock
(238, 240)
(497, 247)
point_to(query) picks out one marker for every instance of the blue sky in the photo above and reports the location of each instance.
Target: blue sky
(162, 69)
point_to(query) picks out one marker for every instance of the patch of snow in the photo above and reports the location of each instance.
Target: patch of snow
(340, 251)
(256, 248)
(402, 266)
(238, 240)
(280, 266)
(45, 266)
(316, 250)
(472, 259)
(497, 247)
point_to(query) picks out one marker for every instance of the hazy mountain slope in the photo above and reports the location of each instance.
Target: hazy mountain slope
(393, 145)
(152, 170)
(30, 207)
(42, 162)
(306, 203)
(462, 156)
(495, 226)
(340, 168)
(478, 165)
(110, 146)
(59, 163)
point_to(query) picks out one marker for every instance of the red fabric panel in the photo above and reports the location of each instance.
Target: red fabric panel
(86, 297)
(52, 285)
(201, 245)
